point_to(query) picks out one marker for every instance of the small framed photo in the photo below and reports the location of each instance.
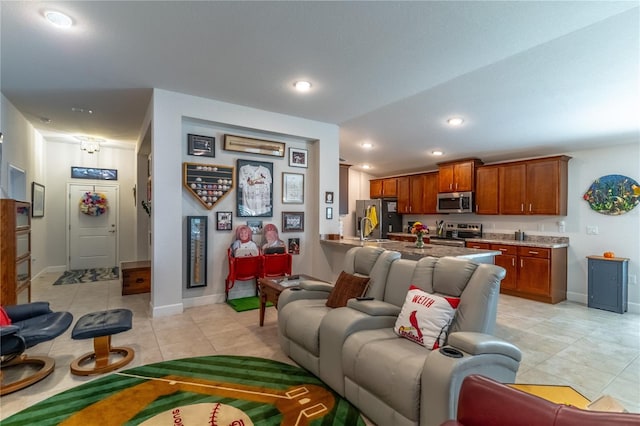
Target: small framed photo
(298, 157)
(292, 221)
(203, 146)
(256, 226)
(328, 197)
(329, 214)
(292, 188)
(224, 221)
(37, 200)
(294, 245)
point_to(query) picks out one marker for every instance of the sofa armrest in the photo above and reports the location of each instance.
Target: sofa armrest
(374, 307)
(316, 285)
(478, 343)
(290, 294)
(8, 330)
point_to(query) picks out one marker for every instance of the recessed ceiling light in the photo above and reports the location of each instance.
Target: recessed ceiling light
(455, 121)
(58, 19)
(437, 153)
(82, 110)
(45, 120)
(366, 166)
(302, 86)
(366, 145)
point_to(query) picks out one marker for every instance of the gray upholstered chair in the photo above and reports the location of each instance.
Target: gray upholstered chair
(299, 338)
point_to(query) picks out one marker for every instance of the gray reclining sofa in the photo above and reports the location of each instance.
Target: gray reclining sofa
(392, 380)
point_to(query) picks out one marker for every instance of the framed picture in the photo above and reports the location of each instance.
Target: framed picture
(196, 251)
(93, 173)
(328, 197)
(253, 146)
(294, 245)
(329, 214)
(292, 221)
(224, 221)
(255, 189)
(292, 188)
(203, 146)
(298, 157)
(37, 200)
(256, 226)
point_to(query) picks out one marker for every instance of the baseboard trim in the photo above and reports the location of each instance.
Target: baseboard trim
(167, 310)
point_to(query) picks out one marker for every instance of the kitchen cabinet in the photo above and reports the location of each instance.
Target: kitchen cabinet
(457, 176)
(608, 283)
(15, 246)
(417, 194)
(383, 188)
(486, 193)
(534, 187)
(508, 259)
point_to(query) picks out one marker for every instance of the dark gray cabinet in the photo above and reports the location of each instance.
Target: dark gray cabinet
(608, 283)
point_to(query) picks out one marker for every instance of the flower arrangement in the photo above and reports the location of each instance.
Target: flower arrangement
(93, 203)
(419, 230)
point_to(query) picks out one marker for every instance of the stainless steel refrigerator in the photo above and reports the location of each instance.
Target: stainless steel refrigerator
(387, 214)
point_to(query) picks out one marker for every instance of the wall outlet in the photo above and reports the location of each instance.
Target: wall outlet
(633, 279)
(561, 226)
(592, 230)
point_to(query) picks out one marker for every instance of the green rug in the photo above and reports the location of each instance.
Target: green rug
(88, 275)
(246, 303)
(219, 390)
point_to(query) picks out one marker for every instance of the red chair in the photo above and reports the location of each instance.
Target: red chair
(276, 265)
(241, 269)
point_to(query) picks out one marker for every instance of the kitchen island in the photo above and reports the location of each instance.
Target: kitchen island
(408, 250)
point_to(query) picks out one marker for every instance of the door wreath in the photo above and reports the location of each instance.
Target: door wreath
(93, 203)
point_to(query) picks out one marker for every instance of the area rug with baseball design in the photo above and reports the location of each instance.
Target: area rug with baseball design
(211, 390)
(88, 275)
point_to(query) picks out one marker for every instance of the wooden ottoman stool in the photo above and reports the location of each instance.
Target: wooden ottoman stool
(100, 326)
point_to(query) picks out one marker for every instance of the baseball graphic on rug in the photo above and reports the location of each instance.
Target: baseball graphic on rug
(211, 414)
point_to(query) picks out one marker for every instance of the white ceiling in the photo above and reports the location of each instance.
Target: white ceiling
(529, 78)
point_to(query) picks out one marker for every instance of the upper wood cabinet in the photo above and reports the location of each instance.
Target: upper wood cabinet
(430, 191)
(404, 195)
(534, 187)
(458, 176)
(487, 190)
(383, 188)
(417, 193)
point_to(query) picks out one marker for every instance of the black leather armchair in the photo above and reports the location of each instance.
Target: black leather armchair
(31, 323)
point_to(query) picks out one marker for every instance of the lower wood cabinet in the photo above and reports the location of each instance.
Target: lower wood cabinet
(536, 273)
(136, 277)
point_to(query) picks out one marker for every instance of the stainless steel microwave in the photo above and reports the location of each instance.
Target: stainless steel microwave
(455, 202)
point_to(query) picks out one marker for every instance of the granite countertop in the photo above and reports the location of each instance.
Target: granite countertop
(541, 241)
(409, 251)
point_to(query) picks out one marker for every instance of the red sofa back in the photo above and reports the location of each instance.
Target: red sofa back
(485, 402)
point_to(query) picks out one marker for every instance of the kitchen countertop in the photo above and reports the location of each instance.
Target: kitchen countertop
(409, 251)
(509, 239)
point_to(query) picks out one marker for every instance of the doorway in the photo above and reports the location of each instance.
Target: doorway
(92, 235)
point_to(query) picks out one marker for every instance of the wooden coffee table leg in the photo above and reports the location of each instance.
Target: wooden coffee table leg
(263, 305)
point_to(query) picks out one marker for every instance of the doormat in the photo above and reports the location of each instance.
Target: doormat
(88, 275)
(209, 390)
(246, 303)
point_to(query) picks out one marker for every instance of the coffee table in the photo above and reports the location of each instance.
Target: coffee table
(271, 287)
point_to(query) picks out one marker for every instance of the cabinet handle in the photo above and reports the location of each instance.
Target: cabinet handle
(513, 262)
(533, 252)
(450, 186)
(529, 207)
(521, 207)
(139, 280)
(477, 208)
(503, 249)
(521, 264)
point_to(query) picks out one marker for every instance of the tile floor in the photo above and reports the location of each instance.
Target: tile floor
(596, 352)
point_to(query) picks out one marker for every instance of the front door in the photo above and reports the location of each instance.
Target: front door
(93, 231)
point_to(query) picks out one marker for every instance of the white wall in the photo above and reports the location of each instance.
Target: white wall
(175, 114)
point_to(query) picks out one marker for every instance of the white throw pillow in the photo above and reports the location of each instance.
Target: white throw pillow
(425, 318)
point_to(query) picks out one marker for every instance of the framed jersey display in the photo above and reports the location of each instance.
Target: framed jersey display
(255, 188)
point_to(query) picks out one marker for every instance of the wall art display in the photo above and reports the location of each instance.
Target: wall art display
(203, 146)
(93, 173)
(298, 157)
(253, 146)
(328, 197)
(255, 226)
(224, 221)
(613, 194)
(292, 188)
(255, 189)
(196, 251)
(208, 183)
(292, 221)
(37, 200)
(329, 213)
(294, 245)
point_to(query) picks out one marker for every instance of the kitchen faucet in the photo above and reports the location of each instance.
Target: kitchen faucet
(362, 237)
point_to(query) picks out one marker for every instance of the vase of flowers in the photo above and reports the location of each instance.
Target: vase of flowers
(419, 230)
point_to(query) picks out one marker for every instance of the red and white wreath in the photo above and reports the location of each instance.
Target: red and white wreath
(93, 203)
